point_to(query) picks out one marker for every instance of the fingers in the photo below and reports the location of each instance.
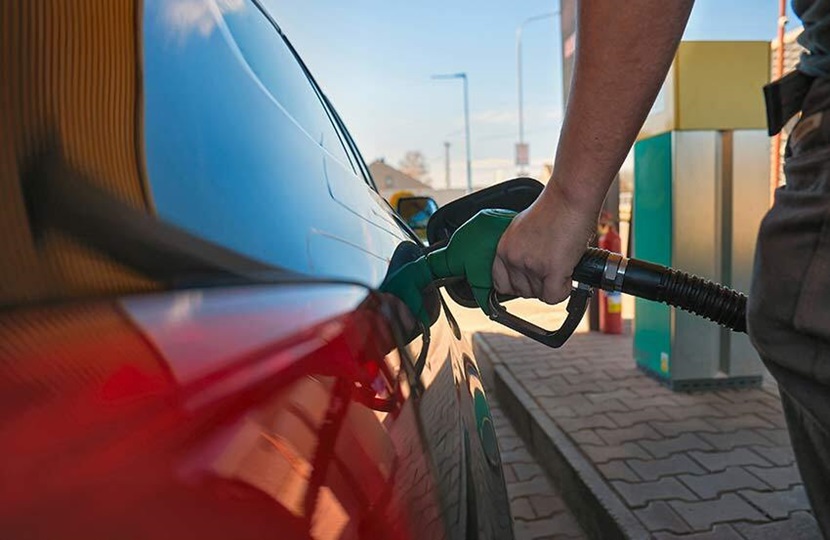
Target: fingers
(555, 290)
(501, 281)
(537, 287)
(521, 284)
(510, 279)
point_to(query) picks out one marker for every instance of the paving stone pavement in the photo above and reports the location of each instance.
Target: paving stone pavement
(538, 509)
(687, 465)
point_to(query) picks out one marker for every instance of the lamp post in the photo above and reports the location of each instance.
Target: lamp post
(463, 77)
(447, 164)
(520, 147)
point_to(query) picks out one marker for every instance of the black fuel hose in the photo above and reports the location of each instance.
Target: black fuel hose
(613, 272)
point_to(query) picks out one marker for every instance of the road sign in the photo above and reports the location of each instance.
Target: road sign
(522, 154)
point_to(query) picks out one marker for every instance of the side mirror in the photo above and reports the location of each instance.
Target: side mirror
(416, 212)
(516, 194)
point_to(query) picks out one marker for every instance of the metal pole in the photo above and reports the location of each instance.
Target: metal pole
(521, 93)
(447, 163)
(463, 77)
(519, 72)
(467, 134)
(779, 72)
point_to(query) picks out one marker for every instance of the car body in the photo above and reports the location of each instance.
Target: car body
(192, 341)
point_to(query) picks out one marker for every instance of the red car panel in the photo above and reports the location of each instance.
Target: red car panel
(236, 413)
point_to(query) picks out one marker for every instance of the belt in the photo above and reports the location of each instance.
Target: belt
(784, 99)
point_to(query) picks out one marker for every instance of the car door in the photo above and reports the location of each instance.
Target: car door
(311, 199)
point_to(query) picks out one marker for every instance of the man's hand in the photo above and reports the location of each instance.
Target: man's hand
(539, 250)
(618, 70)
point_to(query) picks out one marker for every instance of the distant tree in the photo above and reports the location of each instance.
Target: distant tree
(415, 165)
(547, 172)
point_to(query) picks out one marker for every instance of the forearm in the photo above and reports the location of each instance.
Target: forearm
(623, 52)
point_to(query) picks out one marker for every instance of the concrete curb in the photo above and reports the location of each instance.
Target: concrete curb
(600, 512)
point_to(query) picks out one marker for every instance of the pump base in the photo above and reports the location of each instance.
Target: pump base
(698, 385)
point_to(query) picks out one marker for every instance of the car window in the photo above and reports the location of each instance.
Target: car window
(275, 65)
(230, 160)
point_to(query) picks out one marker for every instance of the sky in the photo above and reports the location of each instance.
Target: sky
(374, 59)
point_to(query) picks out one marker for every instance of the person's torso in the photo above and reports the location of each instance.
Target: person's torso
(815, 15)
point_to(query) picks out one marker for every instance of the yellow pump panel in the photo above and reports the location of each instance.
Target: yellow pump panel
(712, 85)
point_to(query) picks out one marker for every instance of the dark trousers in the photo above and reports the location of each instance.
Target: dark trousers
(789, 304)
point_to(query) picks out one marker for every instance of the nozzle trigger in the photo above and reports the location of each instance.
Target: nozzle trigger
(577, 305)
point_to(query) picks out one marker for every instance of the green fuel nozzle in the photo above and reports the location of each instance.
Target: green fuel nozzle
(409, 283)
(470, 253)
(471, 250)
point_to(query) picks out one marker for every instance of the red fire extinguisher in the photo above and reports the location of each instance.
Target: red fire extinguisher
(610, 303)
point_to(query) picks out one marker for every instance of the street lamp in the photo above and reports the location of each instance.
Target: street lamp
(463, 77)
(520, 147)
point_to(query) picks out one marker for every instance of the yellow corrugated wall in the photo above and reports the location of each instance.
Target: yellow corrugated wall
(69, 73)
(47, 353)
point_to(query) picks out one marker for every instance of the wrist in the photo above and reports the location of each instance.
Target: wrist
(577, 197)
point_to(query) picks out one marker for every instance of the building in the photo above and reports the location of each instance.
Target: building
(390, 180)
